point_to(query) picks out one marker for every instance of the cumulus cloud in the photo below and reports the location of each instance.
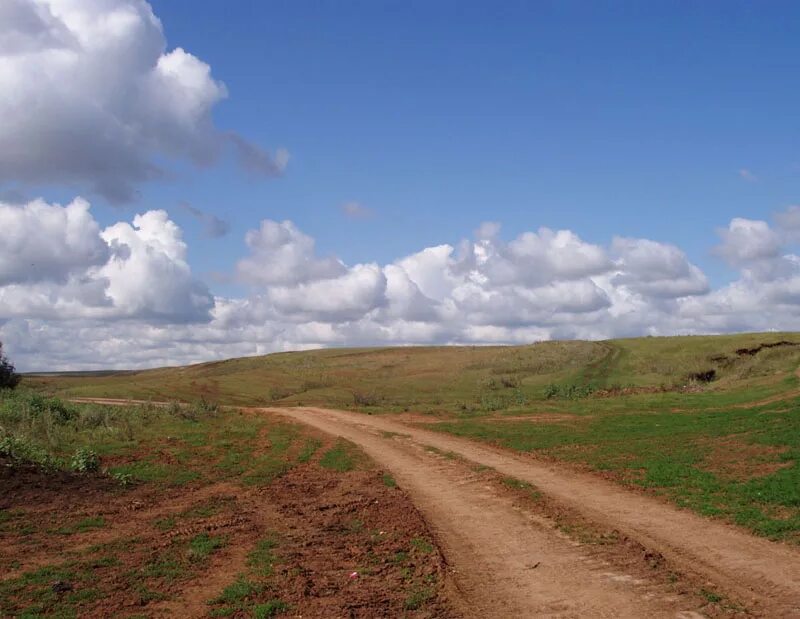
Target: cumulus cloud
(133, 302)
(280, 254)
(91, 96)
(347, 297)
(44, 242)
(656, 269)
(148, 275)
(746, 241)
(536, 258)
(57, 263)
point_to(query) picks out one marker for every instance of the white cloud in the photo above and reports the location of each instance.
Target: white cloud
(90, 96)
(282, 255)
(43, 242)
(136, 303)
(746, 241)
(788, 222)
(56, 263)
(655, 269)
(347, 297)
(537, 258)
(148, 276)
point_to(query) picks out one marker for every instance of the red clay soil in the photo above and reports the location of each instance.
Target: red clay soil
(138, 562)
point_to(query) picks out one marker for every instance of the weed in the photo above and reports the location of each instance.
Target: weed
(448, 455)
(365, 399)
(238, 591)
(389, 481)
(85, 461)
(270, 609)
(418, 597)
(165, 524)
(203, 545)
(422, 545)
(710, 596)
(87, 524)
(310, 447)
(262, 558)
(342, 457)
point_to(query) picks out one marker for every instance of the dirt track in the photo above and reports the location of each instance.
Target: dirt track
(508, 564)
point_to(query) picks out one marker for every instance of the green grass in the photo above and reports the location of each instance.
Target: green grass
(262, 558)
(342, 457)
(203, 546)
(244, 596)
(86, 524)
(418, 597)
(389, 481)
(681, 455)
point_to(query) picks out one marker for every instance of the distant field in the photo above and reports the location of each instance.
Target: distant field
(712, 423)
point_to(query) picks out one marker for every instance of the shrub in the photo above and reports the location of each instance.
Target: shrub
(568, 392)
(8, 377)
(365, 399)
(85, 461)
(23, 451)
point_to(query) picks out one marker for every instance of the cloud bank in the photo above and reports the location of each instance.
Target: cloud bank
(75, 295)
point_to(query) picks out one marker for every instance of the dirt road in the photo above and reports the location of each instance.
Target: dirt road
(509, 563)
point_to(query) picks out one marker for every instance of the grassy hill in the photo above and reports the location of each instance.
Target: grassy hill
(471, 379)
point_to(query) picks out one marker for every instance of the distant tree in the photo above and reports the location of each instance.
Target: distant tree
(8, 377)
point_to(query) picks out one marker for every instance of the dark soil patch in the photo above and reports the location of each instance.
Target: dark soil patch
(757, 349)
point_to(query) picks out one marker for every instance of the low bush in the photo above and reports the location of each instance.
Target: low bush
(568, 392)
(85, 461)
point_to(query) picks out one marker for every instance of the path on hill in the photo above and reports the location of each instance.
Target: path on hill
(507, 565)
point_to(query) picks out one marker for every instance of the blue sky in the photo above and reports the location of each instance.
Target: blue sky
(660, 138)
(604, 118)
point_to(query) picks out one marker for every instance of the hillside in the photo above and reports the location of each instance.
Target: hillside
(476, 380)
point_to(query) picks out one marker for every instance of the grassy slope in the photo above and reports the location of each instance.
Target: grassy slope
(730, 448)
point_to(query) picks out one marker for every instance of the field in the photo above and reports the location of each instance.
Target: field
(195, 511)
(642, 410)
(705, 424)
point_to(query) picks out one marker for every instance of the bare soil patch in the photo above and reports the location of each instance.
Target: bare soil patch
(346, 544)
(735, 459)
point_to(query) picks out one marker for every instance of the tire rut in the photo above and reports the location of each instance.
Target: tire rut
(504, 563)
(495, 546)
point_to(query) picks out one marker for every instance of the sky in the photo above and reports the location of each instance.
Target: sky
(182, 182)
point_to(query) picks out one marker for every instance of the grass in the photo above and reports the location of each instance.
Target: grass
(739, 464)
(631, 408)
(342, 457)
(86, 524)
(389, 481)
(476, 380)
(151, 449)
(203, 546)
(243, 597)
